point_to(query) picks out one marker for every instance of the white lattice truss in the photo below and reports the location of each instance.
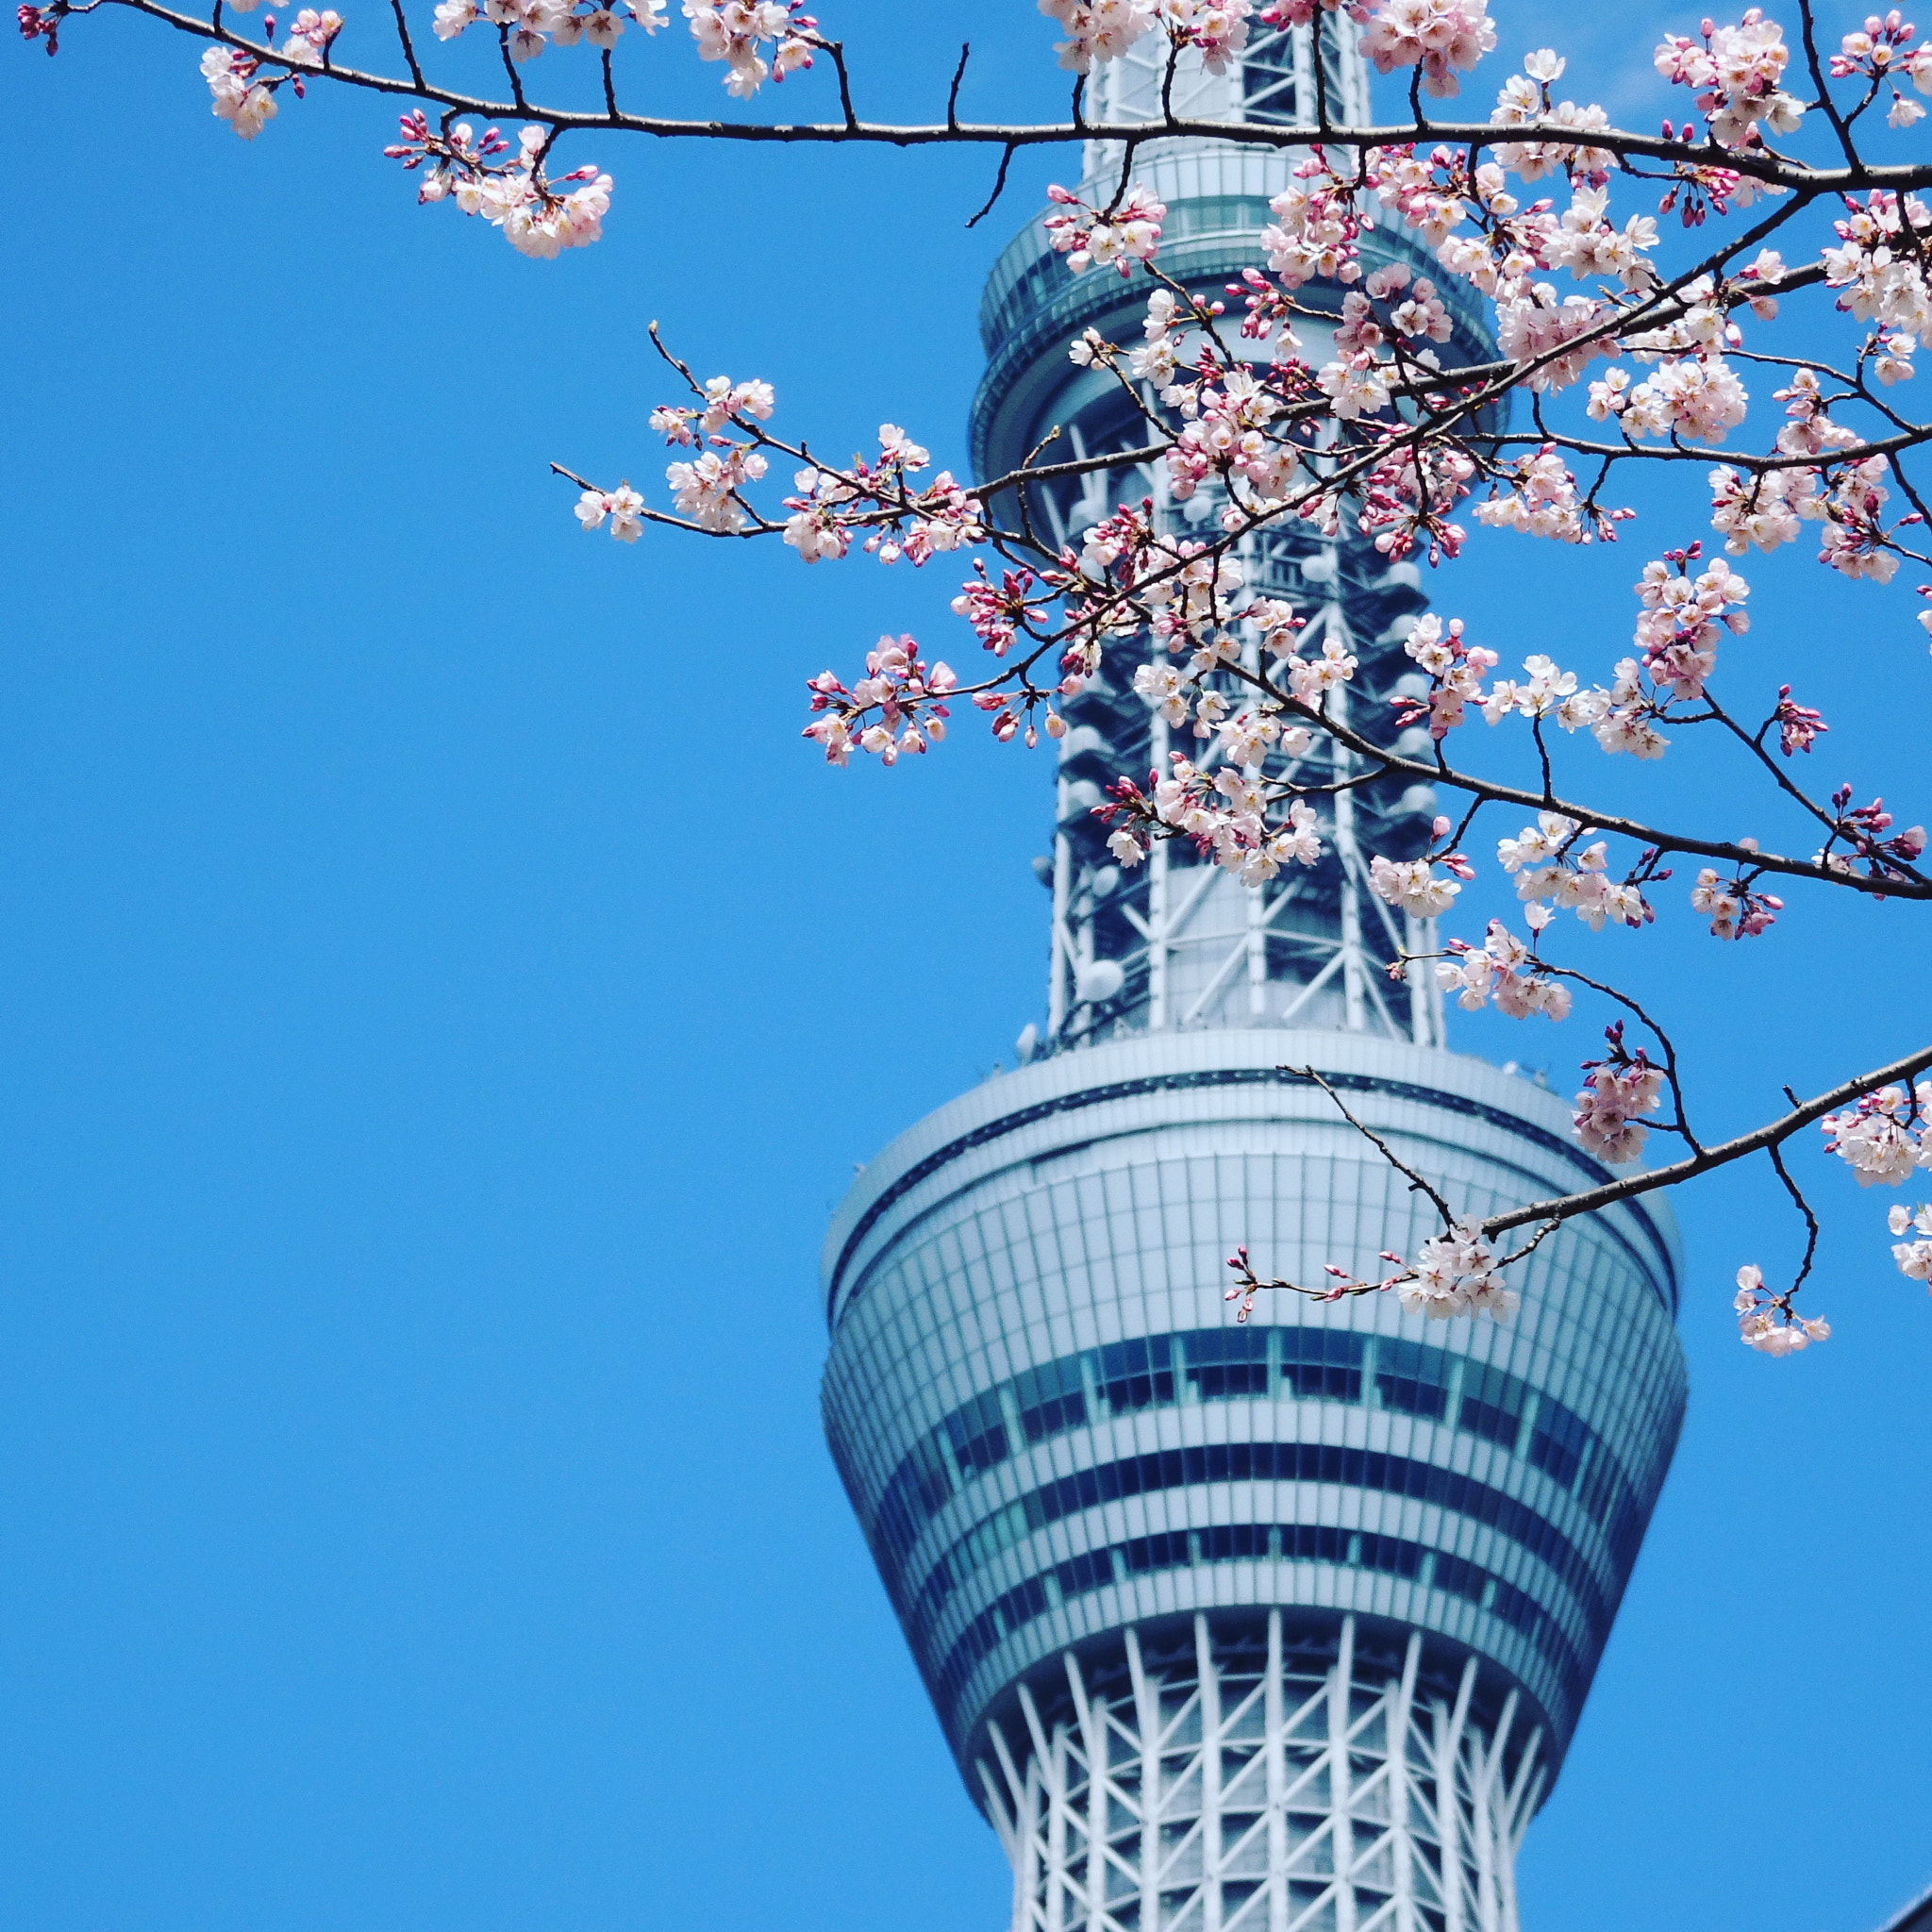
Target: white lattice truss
(1187, 909)
(1238, 1796)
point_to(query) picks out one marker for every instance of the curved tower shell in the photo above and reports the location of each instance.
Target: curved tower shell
(1283, 1625)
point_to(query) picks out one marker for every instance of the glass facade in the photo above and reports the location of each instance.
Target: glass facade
(1051, 1425)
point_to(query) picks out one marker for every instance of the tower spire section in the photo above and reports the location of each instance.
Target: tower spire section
(1182, 944)
(1282, 1626)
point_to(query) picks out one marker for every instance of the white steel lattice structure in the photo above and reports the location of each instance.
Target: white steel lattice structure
(1254, 1791)
(1288, 1625)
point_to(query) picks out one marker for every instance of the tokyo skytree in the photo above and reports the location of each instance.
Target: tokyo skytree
(1282, 1626)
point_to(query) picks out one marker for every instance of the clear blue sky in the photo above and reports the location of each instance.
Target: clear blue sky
(433, 1049)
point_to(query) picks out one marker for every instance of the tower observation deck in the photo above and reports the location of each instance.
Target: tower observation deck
(1282, 1627)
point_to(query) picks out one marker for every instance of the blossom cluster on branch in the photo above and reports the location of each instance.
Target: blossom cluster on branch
(1635, 295)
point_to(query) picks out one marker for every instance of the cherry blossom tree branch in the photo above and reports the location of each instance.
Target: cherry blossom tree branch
(1772, 1134)
(1857, 176)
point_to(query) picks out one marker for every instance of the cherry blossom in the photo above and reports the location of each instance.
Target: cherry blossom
(621, 505)
(897, 708)
(1882, 1137)
(1683, 618)
(1766, 1322)
(1503, 969)
(1617, 1089)
(735, 31)
(1115, 236)
(1455, 670)
(245, 103)
(537, 216)
(1526, 97)
(1548, 864)
(1735, 73)
(1914, 1257)
(1411, 885)
(1734, 910)
(1442, 37)
(1456, 1274)
(1097, 30)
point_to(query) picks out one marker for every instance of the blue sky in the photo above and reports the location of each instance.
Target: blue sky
(434, 1047)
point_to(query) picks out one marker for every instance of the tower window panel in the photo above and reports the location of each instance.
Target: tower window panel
(1412, 1379)
(1322, 1364)
(1050, 1399)
(1558, 1441)
(1224, 1363)
(920, 1485)
(1135, 1374)
(1493, 1404)
(978, 1434)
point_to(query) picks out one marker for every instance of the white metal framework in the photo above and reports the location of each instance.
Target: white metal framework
(1258, 1790)
(1206, 939)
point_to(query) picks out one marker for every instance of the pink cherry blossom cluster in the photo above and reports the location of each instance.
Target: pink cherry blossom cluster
(1735, 912)
(896, 708)
(309, 35)
(1411, 885)
(1502, 969)
(1224, 435)
(1767, 1322)
(1442, 37)
(1096, 31)
(1456, 673)
(1736, 73)
(1617, 1089)
(1875, 266)
(1216, 30)
(1863, 829)
(724, 401)
(1317, 226)
(1762, 510)
(246, 103)
(1526, 97)
(1914, 1257)
(38, 23)
(1537, 495)
(1225, 813)
(1001, 615)
(1690, 398)
(623, 506)
(898, 519)
(1115, 236)
(530, 25)
(1854, 539)
(1682, 617)
(1799, 726)
(706, 487)
(738, 31)
(1549, 864)
(1456, 1274)
(1882, 1138)
(1102, 30)
(1407, 497)
(537, 217)
(1879, 53)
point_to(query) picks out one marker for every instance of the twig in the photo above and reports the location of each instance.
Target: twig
(1416, 1183)
(998, 188)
